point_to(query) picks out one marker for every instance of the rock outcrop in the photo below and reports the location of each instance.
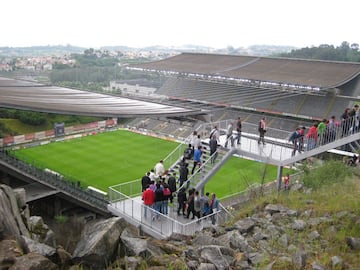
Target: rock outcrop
(11, 222)
(273, 237)
(99, 243)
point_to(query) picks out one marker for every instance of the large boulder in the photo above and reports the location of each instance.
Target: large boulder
(135, 246)
(9, 251)
(33, 261)
(11, 222)
(40, 248)
(40, 231)
(99, 242)
(221, 257)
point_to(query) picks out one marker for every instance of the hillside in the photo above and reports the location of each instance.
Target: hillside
(315, 225)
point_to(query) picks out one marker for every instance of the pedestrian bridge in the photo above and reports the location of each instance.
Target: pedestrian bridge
(125, 199)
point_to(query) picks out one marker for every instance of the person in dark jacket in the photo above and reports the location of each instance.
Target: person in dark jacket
(184, 173)
(191, 204)
(145, 181)
(159, 197)
(213, 148)
(172, 185)
(181, 201)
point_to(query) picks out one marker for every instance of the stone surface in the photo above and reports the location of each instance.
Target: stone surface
(99, 242)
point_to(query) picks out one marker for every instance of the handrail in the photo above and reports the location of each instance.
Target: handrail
(55, 181)
(123, 205)
(249, 130)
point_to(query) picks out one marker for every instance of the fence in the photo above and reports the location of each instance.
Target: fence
(156, 223)
(55, 181)
(280, 148)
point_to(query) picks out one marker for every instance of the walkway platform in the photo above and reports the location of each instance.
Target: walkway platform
(274, 151)
(162, 226)
(156, 224)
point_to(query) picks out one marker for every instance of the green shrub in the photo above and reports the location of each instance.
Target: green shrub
(329, 173)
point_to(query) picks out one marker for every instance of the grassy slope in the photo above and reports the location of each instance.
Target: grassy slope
(18, 127)
(117, 157)
(339, 201)
(238, 174)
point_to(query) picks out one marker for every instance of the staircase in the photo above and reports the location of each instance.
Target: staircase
(207, 168)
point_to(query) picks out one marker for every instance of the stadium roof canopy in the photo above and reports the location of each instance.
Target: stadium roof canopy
(36, 97)
(315, 74)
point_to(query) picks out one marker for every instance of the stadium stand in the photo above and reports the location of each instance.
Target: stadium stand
(296, 73)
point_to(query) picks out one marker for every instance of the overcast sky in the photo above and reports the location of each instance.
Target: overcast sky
(140, 23)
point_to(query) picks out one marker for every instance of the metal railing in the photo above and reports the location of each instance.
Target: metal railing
(279, 146)
(156, 223)
(55, 181)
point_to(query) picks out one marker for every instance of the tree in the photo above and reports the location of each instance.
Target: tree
(355, 46)
(344, 52)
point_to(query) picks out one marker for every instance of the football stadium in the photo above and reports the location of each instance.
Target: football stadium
(99, 166)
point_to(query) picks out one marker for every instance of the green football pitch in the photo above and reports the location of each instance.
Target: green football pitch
(111, 158)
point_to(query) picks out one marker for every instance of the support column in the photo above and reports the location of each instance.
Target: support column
(279, 177)
(57, 206)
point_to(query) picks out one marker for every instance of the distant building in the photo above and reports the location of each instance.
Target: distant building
(5, 67)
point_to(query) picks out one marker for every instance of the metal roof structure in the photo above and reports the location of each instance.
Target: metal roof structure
(315, 73)
(36, 97)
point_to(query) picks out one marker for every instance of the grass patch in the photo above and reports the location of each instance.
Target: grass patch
(238, 174)
(102, 160)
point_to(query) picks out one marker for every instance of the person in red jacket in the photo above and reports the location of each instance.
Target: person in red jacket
(312, 137)
(148, 198)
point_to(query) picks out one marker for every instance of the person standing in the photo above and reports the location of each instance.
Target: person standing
(205, 204)
(172, 185)
(312, 137)
(213, 149)
(238, 129)
(215, 133)
(181, 201)
(145, 181)
(188, 152)
(332, 126)
(184, 173)
(262, 130)
(321, 130)
(301, 139)
(193, 136)
(345, 122)
(286, 180)
(197, 158)
(152, 175)
(214, 207)
(159, 169)
(354, 115)
(197, 142)
(148, 198)
(197, 204)
(229, 135)
(294, 139)
(190, 205)
(166, 197)
(159, 197)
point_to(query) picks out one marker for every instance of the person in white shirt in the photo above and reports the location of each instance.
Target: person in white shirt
(152, 175)
(229, 135)
(215, 134)
(159, 169)
(197, 142)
